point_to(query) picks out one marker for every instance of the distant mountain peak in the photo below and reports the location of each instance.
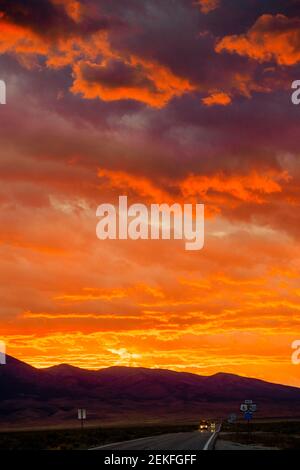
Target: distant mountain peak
(62, 366)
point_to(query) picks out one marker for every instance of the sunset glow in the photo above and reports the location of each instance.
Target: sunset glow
(188, 103)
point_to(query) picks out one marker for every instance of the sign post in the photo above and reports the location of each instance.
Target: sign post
(248, 408)
(82, 415)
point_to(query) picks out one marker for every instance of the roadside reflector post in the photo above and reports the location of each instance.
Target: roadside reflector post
(82, 416)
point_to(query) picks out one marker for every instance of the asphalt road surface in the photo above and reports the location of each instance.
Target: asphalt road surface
(195, 440)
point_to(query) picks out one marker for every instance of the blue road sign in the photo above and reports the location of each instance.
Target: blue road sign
(248, 415)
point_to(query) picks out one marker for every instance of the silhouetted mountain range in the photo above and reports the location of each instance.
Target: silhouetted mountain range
(35, 395)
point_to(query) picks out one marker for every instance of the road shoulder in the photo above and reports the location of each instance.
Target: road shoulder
(229, 445)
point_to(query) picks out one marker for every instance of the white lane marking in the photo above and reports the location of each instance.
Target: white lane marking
(206, 447)
(209, 441)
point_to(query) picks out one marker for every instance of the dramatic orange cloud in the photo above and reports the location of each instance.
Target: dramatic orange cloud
(135, 79)
(271, 38)
(98, 70)
(140, 186)
(217, 98)
(252, 187)
(207, 6)
(20, 40)
(73, 8)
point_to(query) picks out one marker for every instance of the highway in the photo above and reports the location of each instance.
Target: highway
(195, 440)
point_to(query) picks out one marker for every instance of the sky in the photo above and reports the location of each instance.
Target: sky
(163, 101)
